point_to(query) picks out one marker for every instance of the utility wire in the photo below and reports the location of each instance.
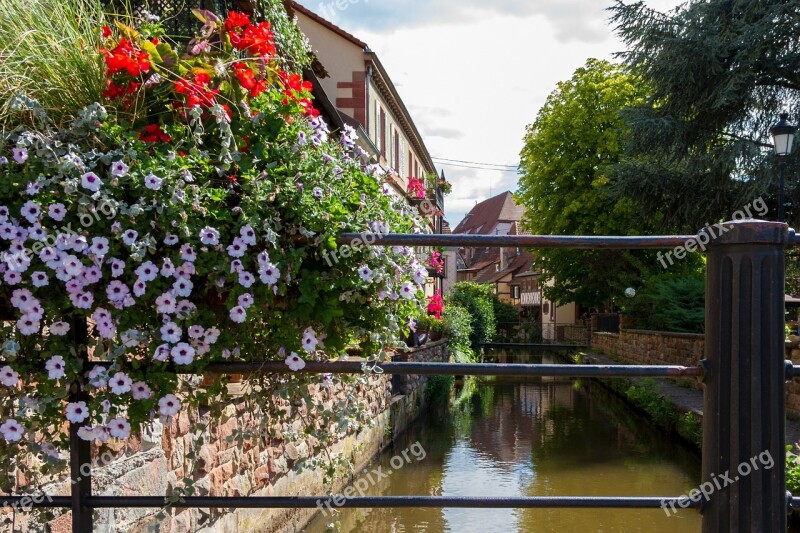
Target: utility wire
(474, 162)
(477, 168)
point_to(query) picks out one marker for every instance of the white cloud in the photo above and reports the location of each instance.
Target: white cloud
(474, 73)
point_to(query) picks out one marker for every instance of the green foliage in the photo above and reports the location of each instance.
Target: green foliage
(720, 72)
(458, 326)
(644, 394)
(293, 47)
(670, 302)
(504, 311)
(569, 153)
(49, 51)
(792, 469)
(438, 389)
(477, 300)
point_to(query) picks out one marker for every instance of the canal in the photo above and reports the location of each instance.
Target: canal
(539, 437)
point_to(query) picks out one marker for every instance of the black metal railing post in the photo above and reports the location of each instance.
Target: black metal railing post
(743, 414)
(80, 451)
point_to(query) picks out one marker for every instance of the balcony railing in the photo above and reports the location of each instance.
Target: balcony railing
(530, 298)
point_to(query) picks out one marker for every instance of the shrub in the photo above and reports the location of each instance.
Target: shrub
(670, 302)
(478, 300)
(458, 326)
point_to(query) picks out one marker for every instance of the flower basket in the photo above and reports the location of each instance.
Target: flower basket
(195, 212)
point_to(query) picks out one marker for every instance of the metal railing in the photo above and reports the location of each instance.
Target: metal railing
(528, 332)
(744, 372)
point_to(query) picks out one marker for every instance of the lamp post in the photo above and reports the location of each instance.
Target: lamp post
(783, 138)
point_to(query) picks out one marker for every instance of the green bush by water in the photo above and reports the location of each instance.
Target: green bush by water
(478, 301)
(644, 394)
(438, 389)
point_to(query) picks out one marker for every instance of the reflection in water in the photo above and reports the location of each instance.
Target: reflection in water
(536, 438)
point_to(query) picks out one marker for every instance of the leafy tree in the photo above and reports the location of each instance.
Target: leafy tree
(672, 301)
(566, 162)
(477, 300)
(720, 72)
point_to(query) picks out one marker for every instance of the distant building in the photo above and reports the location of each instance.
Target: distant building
(512, 272)
(351, 78)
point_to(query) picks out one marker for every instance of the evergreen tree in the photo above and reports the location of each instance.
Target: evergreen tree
(720, 72)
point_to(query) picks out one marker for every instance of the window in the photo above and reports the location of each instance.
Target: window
(397, 151)
(383, 132)
(515, 292)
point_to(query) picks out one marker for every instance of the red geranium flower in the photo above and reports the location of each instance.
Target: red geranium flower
(257, 40)
(247, 79)
(124, 57)
(237, 21)
(436, 305)
(197, 91)
(153, 133)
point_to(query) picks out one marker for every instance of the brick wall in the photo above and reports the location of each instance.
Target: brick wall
(152, 464)
(663, 348)
(644, 347)
(793, 387)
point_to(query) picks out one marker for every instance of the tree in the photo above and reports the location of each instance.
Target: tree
(720, 72)
(568, 155)
(671, 301)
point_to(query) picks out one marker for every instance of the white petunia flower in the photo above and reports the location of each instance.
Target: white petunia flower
(59, 328)
(120, 383)
(270, 274)
(171, 332)
(8, 376)
(119, 169)
(119, 428)
(408, 290)
(152, 182)
(295, 362)
(365, 273)
(77, 412)
(209, 236)
(11, 430)
(169, 405)
(238, 314)
(183, 354)
(55, 367)
(141, 391)
(20, 154)
(91, 182)
(248, 235)
(309, 340)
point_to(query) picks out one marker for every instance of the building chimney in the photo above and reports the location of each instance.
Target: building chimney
(502, 258)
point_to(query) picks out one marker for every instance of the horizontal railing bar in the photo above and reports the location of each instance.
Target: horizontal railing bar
(534, 346)
(38, 501)
(368, 502)
(523, 241)
(462, 369)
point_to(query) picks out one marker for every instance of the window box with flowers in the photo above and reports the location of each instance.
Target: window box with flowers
(186, 218)
(436, 263)
(416, 190)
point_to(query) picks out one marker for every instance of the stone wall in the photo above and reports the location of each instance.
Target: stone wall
(644, 347)
(793, 387)
(664, 348)
(153, 463)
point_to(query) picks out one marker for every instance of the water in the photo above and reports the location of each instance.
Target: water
(535, 438)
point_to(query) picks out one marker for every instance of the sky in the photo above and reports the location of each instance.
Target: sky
(474, 73)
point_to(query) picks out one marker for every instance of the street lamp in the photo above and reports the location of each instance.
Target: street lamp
(783, 138)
